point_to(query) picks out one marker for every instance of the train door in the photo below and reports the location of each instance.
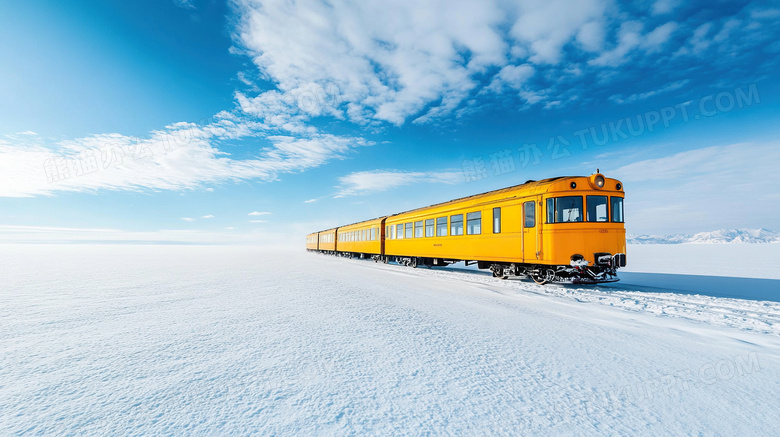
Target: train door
(530, 222)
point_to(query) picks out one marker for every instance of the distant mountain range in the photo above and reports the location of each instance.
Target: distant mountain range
(715, 237)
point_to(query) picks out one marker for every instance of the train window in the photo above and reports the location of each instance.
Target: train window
(564, 209)
(474, 223)
(456, 224)
(429, 227)
(596, 209)
(496, 220)
(364, 235)
(529, 213)
(409, 230)
(399, 231)
(441, 227)
(418, 229)
(551, 210)
(617, 209)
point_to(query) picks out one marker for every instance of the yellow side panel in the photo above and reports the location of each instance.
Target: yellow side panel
(503, 246)
(368, 246)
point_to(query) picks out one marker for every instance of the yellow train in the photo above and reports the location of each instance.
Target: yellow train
(561, 229)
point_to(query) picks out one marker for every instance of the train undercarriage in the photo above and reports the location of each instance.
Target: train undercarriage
(577, 272)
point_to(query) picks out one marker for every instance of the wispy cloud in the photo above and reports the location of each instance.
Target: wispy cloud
(207, 216)
(390, 66)
(259, 213)
(665, 6)
(188, 219)
(258, 221)
(183, 156)
(648, 94)
(310, 201)
(365, 182)
(186, 4)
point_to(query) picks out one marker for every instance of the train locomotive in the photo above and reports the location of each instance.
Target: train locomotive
(562, 229)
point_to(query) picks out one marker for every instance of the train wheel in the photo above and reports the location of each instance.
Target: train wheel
(544, 276)
(498, 273)
(413, 263)
(386, 259)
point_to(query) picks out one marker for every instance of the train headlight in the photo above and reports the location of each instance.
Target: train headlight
(597, 181)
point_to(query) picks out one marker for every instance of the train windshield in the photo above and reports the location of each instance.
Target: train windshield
(564, 209)
(597, 209)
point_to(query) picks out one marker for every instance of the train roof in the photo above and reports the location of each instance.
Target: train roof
(528, 184)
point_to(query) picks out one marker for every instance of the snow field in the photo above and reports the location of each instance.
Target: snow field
(741, 260)
(134, 340)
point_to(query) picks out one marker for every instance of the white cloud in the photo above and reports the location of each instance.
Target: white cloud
(629, 38)
(186, 4)
(258, 221)
(591, 36)
(208, 216)
(647, 94)
(761, 14)
(310, 201)
(665, 6)
(365, 182)
(183, 156)
(371, 64)
(188, 219)
(655, 40)
(545, 26)
(259, 213)
(418, 60)
(511, 76)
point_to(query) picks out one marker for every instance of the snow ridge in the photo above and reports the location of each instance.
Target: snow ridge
(721, 236)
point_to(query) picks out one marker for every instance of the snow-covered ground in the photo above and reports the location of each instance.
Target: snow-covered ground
(216, 340)
(744, 260)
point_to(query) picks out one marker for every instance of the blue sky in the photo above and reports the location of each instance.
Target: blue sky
(176, 120)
